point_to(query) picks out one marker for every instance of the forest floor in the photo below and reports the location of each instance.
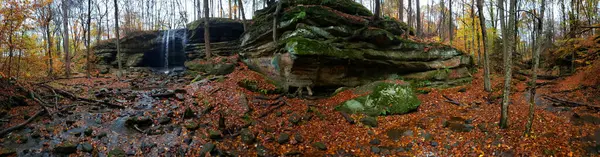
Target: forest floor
(159, 115)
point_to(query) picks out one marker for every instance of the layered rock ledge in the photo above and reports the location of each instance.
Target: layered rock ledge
(151, 48)
(337, 43)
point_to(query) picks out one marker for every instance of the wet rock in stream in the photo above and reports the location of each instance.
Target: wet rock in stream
(65, 148)
(87, 147)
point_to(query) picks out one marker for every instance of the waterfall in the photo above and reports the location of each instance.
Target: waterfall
(172, 53)
(167, 50)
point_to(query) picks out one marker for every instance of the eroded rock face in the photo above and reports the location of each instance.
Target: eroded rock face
(329, 44)
(149, 48)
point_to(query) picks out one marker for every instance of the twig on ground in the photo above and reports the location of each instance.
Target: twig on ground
(263, 97)
(279, 104)
(139, 130)
(348, 118)
(214, 91)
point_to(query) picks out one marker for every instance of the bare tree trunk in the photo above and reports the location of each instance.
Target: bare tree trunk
(475, 34)
(10, 50)
(479, 59)
(230, 10)
(89, 22)
(119, 61)
(49, 40)
(442, 22)
(450, 21)
(536, 62)
(409, 15)
(241, 5)
(418, 19)
(206, 30)
(66, 38)
(377, 9)
(275, 19)
(507, 61)
(400, 10)
(20, 55)
(467, 41)
(486, 61)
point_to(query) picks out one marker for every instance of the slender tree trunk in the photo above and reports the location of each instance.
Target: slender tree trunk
(377, 9)
(450, 21)
(19, 57)
(66, 38)
(221, 8)
(49, 40)
(10, 50)
(230, 10)
(275, 19)
(486, 62)
(479, 59)
(241, 5)
(409, 15)
(467, 41)
(536, 62)
(119, 61)
(418, 19)
(475, 34)
(206, 30)
(89, 22)
(507, 61)
(442, 21)
(400, 10)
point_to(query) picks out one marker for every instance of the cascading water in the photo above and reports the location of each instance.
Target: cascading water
(167, 50)
(173, 53)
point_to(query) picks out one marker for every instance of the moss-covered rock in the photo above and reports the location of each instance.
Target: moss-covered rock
(117, 152)
(347, 6)
(332, 43)
(385, 98)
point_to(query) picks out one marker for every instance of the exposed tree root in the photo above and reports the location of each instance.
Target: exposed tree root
(278, 105)
(8, 130)
(564, 102)
(77, 98)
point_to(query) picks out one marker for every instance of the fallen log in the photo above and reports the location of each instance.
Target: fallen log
(77, 98)
(450, 100)
(562, 101)
(164, 95)
(42, 104)
(8, 130)
(569, 103)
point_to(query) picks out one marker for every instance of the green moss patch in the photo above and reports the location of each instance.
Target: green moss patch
(385, 99)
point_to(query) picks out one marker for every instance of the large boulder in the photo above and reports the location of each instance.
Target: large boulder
(151, 48)
(337, 43)
(382, 98)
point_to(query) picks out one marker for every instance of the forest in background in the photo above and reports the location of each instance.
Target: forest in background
(34, 33)
(539, 56)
